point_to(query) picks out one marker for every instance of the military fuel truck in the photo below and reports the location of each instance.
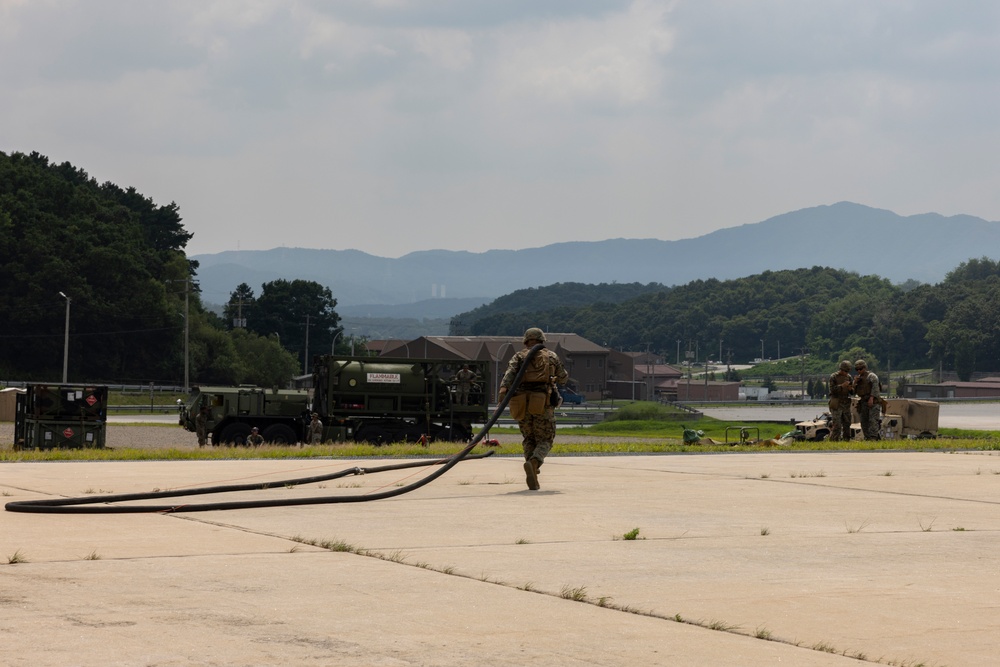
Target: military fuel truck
(903, 418)
(364, 399)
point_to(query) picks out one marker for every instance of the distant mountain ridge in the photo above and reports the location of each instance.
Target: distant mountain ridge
(845, 235)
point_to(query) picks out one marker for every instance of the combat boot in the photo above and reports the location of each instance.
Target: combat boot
(531, 474)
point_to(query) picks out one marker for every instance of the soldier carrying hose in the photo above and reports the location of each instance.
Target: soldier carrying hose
(532, 404)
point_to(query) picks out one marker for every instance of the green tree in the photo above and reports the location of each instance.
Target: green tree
(240, 308)
(266, 363)
(62, 232)
(293, 308)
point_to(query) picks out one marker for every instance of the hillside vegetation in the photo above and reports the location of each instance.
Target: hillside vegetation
(820, 311)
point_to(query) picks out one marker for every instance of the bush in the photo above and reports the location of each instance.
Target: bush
(645, 411)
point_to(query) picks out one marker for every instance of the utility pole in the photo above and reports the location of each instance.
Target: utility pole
(187, 334)
(802, 357)
(66, 341)
(305, 361)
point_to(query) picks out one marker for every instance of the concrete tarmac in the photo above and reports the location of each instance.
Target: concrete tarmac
(806, 559)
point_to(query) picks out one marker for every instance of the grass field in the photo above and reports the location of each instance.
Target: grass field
(641, 428)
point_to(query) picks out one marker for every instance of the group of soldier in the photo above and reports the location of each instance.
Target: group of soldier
(865, 385)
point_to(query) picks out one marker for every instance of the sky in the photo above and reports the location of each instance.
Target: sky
(391, 126)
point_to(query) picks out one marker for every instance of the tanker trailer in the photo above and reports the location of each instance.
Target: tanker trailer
(381, 399)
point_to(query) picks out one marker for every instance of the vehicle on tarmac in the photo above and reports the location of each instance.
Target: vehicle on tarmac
(364, 399)
(903, 418)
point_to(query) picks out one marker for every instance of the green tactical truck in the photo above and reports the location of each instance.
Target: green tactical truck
(231, 412)
(364, 399)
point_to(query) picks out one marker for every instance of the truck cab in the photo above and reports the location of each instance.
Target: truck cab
(279, 414)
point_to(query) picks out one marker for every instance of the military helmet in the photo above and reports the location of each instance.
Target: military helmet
(845, 366)
(860, 363)
(534, 333)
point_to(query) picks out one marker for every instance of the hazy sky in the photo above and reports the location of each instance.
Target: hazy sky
(392, 125)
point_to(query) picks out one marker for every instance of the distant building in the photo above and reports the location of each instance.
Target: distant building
(980, 389)
(589, 365)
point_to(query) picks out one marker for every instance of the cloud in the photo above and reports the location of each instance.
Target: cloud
(469, 124)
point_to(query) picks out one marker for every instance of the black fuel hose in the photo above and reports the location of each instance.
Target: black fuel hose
(98, 504)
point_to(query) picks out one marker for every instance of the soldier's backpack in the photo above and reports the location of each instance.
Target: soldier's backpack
(538, 369)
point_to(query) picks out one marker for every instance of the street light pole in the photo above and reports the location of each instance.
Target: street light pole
(333, 345)
(187, 335)
(66, 341)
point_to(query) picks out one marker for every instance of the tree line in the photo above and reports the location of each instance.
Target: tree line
(821, 312)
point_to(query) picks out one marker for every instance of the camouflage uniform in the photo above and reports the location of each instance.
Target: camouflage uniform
(839, 388)
(464, 379)
(537, 430)
(255, 439)
(201, 427)
(316, 430)
(869, 403)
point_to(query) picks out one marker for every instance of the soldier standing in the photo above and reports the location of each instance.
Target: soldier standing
(464, 378)
(315, 430)
(531, 405)
(201, 426)
(840, 386)
(866, 386)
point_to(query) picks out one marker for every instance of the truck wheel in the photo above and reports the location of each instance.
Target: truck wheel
(375, 435)
(821, 435)
(235, 434)
(279, 434)
(455, 433)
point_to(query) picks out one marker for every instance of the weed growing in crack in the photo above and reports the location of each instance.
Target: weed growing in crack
(17, 557)
(722, 626)
(858, 528)
(578, 594)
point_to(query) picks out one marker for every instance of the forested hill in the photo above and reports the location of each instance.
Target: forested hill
(826, 312)
(559, 296)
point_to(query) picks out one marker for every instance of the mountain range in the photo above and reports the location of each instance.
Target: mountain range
(441, 283)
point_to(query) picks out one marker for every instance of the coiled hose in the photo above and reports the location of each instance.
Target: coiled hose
(97, 504)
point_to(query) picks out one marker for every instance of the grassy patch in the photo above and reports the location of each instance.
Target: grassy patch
(639, 428)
